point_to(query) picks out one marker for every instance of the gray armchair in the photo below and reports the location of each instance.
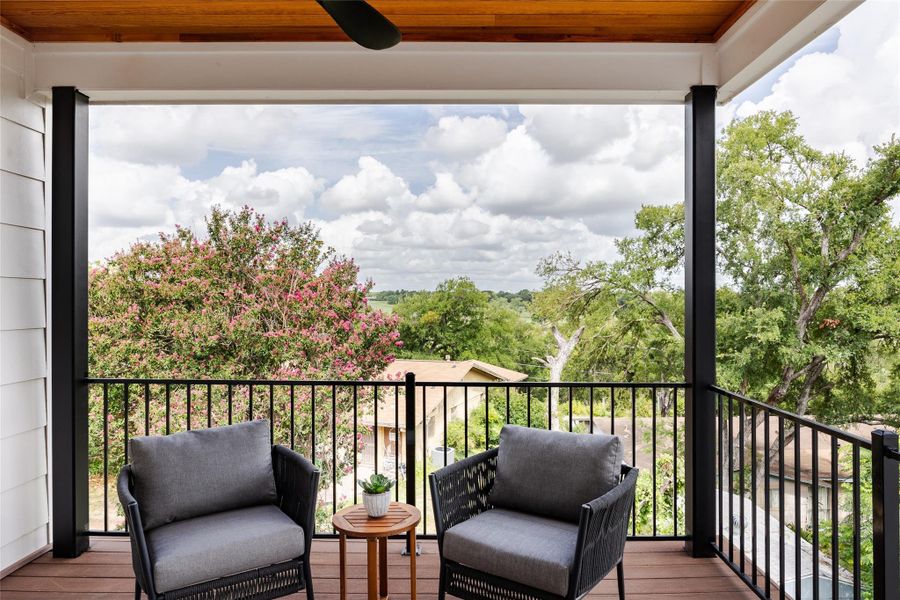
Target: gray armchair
(544, 516)
(219, 513)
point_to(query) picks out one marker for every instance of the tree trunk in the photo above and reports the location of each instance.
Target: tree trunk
(556, 364)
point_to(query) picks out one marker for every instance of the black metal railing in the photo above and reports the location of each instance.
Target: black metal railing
(793, 519)
(352, 428)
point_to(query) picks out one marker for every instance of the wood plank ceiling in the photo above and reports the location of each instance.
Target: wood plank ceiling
(419, 20)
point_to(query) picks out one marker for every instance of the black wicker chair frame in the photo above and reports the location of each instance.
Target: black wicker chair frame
(296, 483)
(461, 491)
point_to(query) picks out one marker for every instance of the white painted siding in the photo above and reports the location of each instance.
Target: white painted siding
(24, 500)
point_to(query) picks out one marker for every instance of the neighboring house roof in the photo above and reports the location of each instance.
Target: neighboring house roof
(447, 370)
(434, 371)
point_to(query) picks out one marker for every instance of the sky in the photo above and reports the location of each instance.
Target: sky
(418, 194)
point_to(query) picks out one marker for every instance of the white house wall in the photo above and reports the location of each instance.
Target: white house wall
(24, 501)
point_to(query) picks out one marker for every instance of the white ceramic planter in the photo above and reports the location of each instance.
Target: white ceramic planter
(377, 504)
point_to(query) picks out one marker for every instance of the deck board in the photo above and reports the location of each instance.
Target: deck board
(652, 570)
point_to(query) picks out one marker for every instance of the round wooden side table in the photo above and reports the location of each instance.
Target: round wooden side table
(353, 522)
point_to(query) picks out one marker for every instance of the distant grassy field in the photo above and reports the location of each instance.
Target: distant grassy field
(382, 305)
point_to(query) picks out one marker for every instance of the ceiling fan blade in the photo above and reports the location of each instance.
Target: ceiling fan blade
(362, 23)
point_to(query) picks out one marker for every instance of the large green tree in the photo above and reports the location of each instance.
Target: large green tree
(461, 322)
(809, 297)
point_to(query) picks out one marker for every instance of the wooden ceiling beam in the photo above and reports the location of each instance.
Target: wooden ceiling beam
(684, 21)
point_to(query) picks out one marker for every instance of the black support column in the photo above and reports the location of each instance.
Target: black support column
(700, 316)
(69, 321)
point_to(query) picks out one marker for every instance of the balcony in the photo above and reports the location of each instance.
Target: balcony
(759, 548)
(719, 514)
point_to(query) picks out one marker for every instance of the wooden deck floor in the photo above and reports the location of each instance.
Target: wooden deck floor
(652, 570)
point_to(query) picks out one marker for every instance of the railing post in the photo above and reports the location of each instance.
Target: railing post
(886, 514)
(700, 318)
(69, 322)
(410, 393)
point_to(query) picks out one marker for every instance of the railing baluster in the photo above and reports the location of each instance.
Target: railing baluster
(720, 462)
(507, 410)
(798, 525)
(355, 433)
(768, 502)
(397, 442)
(424, 461)
(612, 410)
(292, 395)
(446, 424)
(168, 408)
(146, 409)
(271, 413)
(105, 457)
(835, 538)
(312, 433)
(591, 411)
(674, 461)
(741, 482)
(857, 524)
(208, 405)
(653, 405)
(465, 421)
(188, 407)
(230, 402)
(126, 407)
(815, 513)
(570, 409)
(634, 454)
(528, 406)
(753, 458)
(375, 440)
(550, 408)
(334, 449)
(250, 402)
(730, 478)
(487, 418)
(781, 517)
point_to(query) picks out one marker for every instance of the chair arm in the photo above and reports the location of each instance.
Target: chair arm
(460, 491)
(602, 531)
(297, 487)
(140, 555)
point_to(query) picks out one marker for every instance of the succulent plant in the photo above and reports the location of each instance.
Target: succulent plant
(377, 484)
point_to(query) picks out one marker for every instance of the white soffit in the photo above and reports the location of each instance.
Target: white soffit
(619, 73)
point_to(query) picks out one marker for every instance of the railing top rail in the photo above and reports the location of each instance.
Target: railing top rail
(797, 419)
(385, 382)
(892, 454)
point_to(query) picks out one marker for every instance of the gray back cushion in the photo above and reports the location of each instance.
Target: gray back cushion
(200, 472)
(552, 473)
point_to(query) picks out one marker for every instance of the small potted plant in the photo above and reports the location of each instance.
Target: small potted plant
(377, 494)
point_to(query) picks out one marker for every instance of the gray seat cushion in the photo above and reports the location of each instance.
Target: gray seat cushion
(552, 473)
(200, 472)
(527, 549)
(215, 546)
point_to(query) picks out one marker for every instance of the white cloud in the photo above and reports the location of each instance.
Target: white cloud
(185, 135)
(444, 194)
(419, 194)
(373, 187)
(463, 137)
(130, 201)
(847, 100)
(571, 133)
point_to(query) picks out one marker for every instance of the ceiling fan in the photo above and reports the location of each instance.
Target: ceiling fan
(362, 23)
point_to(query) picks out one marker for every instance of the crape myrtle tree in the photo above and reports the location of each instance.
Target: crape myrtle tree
(250, 299)
(809, 300)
